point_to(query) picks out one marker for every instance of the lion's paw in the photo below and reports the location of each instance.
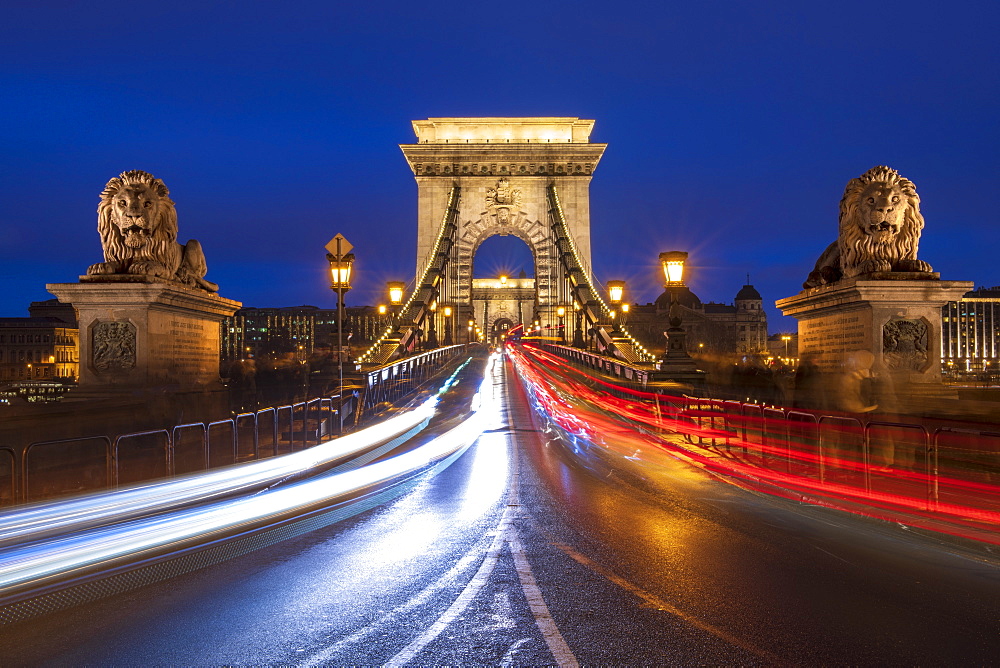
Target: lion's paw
(873, 266)
(102, 268)
(146, 268)
(913, 265)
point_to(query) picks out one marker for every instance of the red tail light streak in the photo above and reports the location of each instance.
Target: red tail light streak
(944, 480)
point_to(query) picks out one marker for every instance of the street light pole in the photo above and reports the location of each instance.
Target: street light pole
(446, 310)
(616, 292)
(340, 259)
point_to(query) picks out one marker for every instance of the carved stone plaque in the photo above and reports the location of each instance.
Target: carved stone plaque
(113, 346)
(904, 345)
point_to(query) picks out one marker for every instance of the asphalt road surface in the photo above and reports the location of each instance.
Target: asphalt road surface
(528, 551)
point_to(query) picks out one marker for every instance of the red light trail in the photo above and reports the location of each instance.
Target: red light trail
(823, 462)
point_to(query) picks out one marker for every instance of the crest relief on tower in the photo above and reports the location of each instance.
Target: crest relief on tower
(501, 199)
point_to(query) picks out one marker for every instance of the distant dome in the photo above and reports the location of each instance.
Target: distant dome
(685, 298)
(747, 292)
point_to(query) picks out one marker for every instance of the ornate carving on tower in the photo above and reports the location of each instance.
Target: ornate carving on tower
(501, 199)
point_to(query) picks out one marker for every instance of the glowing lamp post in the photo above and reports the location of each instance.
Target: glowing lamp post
(432, 337)
(561, 313)
(396, 289)
(341, 261)
(786, 338)
(446, 310)
(578, 341)
(616, 291)
(673, 275)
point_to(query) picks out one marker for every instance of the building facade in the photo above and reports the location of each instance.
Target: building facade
(38, 349)
(713, 329)
(295, 330)
(970, 338)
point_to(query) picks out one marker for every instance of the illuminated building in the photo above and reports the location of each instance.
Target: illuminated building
(970, 339)
(44, 346)
(271, 332)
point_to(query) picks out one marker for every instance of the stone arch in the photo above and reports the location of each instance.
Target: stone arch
(534, 233)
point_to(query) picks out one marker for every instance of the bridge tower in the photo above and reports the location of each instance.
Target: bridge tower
(500, 175)
(481, 177)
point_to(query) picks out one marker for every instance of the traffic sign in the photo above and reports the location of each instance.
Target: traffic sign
(345, 245)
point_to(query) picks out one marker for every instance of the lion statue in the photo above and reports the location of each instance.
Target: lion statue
(880, 226)
(138, 226)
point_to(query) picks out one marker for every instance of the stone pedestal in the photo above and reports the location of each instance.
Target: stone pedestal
(142, 333)
(895, 316)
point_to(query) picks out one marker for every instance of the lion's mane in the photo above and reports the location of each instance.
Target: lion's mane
(147, 246)
(857, 249)
(162, 246)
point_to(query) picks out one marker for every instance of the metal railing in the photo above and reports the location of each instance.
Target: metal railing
(48, 469)
(945, 463)
(390, 383)
(932, 462)
(635, 375)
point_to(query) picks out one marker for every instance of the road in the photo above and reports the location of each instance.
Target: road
(533, 550)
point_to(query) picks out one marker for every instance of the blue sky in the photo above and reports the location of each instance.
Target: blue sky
(732, 129)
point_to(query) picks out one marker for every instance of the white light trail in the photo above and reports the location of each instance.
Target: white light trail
(21, 525)
(49, 560)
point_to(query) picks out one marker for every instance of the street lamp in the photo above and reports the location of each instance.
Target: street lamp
(578, 341)
(673, 276)
(468, 334)
(446, 310)
(673, 268)
(616, 290)
(341, 263)
(561, 312)
(396, 289)
(786, 338)
(432, 337)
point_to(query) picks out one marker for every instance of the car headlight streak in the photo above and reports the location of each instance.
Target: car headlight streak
(30, 523)
(83, 547)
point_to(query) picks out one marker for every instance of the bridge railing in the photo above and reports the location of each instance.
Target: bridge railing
(49, 469)
(635, 375)
(388, 384)
(929, 465)
(873, 460)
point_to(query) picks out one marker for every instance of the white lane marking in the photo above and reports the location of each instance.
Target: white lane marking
(504, 534)
(543, 618)
(323, 656)
(462, 602)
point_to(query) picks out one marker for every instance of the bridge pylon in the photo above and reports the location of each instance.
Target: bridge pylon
(482, 177)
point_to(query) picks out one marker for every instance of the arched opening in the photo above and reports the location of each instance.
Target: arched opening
(503, 255)
(503, 284)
